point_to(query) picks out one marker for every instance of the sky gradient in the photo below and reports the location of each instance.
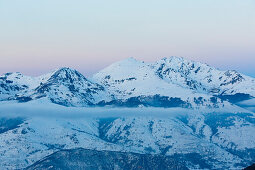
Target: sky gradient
(39, 36)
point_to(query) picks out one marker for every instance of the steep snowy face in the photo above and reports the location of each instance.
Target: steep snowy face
(203, 78)
(68, 87)
(137, 83)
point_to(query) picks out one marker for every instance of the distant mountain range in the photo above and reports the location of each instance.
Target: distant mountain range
(169, 82)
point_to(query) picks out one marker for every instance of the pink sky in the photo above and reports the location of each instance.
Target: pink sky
(37, 37)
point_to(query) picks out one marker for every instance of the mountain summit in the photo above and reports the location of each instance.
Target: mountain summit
(203, 78)
(68, 87)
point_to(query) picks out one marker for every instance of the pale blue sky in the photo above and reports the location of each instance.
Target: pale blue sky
(37, 36)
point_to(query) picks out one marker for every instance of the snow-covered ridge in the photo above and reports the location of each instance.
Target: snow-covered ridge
(202, 77)
(131, 82)
(189, 81)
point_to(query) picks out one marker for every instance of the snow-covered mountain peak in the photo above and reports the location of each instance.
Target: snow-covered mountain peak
(126, 63)
(181, 64)
(63, 69)
(68, 87)
(130, 60)
(66, 74)
(139, 81)
(173, 58)
(172, 76)
(123, 69)
(202, 77)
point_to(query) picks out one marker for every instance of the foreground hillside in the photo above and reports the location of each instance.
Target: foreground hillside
(212, 138)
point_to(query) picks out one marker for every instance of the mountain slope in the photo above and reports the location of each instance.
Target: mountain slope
(212, 139)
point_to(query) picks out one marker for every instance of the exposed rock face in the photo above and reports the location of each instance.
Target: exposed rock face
(105, 160)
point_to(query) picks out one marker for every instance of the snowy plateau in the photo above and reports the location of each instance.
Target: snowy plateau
(171, 114)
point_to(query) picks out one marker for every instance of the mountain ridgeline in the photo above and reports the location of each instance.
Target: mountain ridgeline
(169, 82)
